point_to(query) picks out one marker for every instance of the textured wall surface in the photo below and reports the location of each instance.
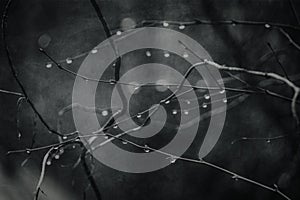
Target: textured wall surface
(66, 28)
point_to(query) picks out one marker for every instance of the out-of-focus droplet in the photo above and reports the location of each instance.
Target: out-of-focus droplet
(119, 32)
(104, 113)
(94, 51)
(48, 162)
(161, 85)
(174, 112)
(181, 27)
(69, 61)
(224, 100)
(186, 112)
(128, 23)
(166, 54)
(65, 137)
(74, 146)
(188, 102)
(48, 65)
(44, 40)
(185, 55)
(165, 24)
(148, 53)
(267, 26)
(206, 96)
(204, 105)
(106, 137)
(167, 102)
(268, 141)
(28, 152)
(57, 156)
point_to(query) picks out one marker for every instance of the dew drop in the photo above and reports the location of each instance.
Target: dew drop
(167, 55)
(204, 105)
(94, 51)
(139, 116)
(74, 146)
(124, 142)
(148, 53)
(185, 55)
(172, 159)
(106, 137)
(188, 102)
(186, 112)
(56, 156)
(224, 100)
(104, 113)
(174, 112)
(147, 150)
(115, 127)
(222, 91)
(65, 137)
(69, 61)
(268, 141)
(181, 27)
(267, 26)
(48, 162)
(119, 32)
(165, 24)
(28, 152)
(48, 65)
(167, 102)
(206, 96)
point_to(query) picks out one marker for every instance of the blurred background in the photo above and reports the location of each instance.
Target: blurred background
(67, 29)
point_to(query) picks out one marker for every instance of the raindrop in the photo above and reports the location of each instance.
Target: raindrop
(119, 32)
(204, 105)
(106, 137)
(69, 61)
(28, 152)
(186, 112)
(222, 91)
(188, 102)
(224, 100)
(148, 53)
(48, 65)
(139, 116)
(56, 156)
(174, 112)
(185, 55)
(268, 141)
(74, 146)
(165, 24)
(115, 127)
(94, 51)
(48, 162)
(206, 96)
(104, 113)
(166, 55)
(267, 26)
(65, 137)
(181, 27)
(167, 102)
(124, 142)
